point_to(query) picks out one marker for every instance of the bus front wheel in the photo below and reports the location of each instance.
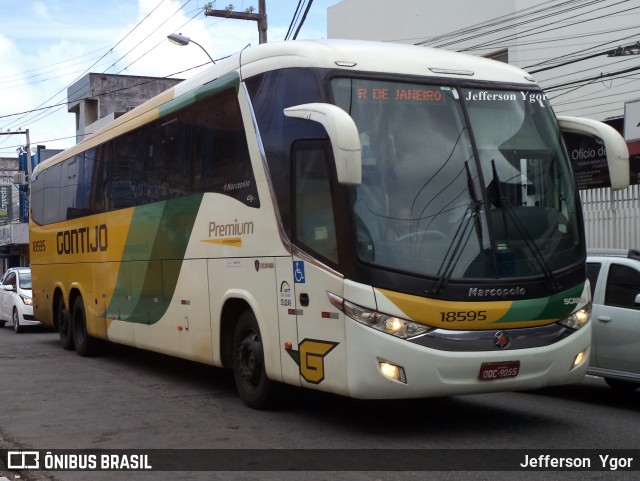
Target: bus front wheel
(254, 387)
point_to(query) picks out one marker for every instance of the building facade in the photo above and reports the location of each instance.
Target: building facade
(14, 207)
(98, 98)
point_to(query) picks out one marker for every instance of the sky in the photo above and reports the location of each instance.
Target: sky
(47, 45)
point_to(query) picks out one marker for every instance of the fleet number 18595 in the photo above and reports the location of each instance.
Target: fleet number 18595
(38, 246)
(463, 316)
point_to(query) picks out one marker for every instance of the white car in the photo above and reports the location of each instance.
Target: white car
(615, 287)
(16, 304)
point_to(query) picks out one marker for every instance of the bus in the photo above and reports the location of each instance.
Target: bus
(374, 220)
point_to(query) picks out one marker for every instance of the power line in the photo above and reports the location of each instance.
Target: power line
(531, 31)
(53, 67)
(569, 62)
(559, 58)
(43, 115)
(102, 94)
(508, 19)
(43, 111)
(294, 19)
(87, 70)
(159, 43)
(583, 82)
(304, 17)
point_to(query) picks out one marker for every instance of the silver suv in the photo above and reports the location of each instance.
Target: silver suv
(615, 288)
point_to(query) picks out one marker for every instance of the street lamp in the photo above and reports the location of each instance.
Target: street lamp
(182, 40)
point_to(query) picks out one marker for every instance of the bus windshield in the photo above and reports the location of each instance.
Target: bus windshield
(460, 183)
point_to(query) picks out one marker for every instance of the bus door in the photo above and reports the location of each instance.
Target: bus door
(287, 316)
(321, 354)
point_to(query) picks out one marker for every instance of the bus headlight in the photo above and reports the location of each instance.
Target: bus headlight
(578, 319)
(395, 326)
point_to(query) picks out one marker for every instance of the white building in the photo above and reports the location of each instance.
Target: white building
(572, 48)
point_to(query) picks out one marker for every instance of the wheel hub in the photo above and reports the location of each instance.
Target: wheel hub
(249, 355)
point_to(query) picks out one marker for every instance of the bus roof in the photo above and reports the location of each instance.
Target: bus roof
(360, 55)
(349, 55)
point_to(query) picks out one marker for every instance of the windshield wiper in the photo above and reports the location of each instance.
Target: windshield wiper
(504, 203)
(460, 238)
(477, 203)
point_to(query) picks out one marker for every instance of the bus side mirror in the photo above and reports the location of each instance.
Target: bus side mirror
(343, 135)
(590, 144)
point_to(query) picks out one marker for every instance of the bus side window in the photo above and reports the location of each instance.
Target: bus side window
(76, 179)
(314, 219)
(168, 172)
(52, 194)
(36, 204)
(125, 180)
(221, 159)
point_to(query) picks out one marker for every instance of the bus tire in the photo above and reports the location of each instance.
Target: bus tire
(64, 326)
(85, 344)
(254, 387)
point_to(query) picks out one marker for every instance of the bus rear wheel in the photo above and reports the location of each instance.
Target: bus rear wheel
(85, 344)
(64, 326)
(254, 387)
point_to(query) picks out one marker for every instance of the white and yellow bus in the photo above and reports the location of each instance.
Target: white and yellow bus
(373, 220)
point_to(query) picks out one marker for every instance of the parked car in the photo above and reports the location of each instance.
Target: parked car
(614, 275)
(15, 298)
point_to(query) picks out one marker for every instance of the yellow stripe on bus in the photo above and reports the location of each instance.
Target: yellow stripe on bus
(448, 314)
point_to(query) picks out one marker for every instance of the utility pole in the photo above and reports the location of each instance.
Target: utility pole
(260, 17)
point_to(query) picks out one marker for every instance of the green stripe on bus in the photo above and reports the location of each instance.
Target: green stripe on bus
(160, 233)
(227, 81)
(552, 307)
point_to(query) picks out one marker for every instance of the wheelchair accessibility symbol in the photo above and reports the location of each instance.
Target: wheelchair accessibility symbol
(298, 272)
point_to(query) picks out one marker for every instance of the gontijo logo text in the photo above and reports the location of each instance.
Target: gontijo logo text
(83, 240)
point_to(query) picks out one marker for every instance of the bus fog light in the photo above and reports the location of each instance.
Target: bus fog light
(393, 372)
(578, 359)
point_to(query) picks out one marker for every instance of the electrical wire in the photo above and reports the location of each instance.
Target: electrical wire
(534, 31)
(71, 94)
(87, 70)
(294, 19)
(104, 93)
(304, 17)
(44, 111)
(509, 21)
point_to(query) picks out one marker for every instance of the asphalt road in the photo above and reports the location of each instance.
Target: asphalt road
(129, 399)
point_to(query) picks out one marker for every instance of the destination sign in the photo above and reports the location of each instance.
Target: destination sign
(399, 94)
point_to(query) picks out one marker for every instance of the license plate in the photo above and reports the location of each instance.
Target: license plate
(490, 371)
